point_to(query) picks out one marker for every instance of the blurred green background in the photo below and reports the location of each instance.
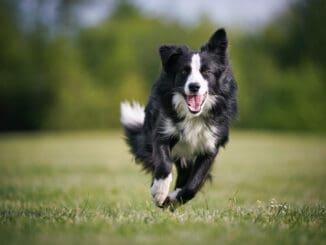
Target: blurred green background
(58, 74)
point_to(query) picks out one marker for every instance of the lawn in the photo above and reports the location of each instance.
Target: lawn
(84, 188)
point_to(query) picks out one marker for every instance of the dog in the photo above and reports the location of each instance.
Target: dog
(186, 120)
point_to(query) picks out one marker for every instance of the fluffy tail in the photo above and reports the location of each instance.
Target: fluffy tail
(132, 116)
(132, 119)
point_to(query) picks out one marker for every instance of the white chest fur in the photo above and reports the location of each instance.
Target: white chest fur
(195, 137)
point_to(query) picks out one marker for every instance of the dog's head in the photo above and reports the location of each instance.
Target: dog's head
(195, 75)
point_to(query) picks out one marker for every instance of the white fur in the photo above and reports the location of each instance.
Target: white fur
(196, 77)
(132, 114)
(169, 129)
(195, 137)
(180, 105)
(173, 195)
(160, 189)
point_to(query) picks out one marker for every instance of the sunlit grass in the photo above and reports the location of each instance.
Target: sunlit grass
(82, 188)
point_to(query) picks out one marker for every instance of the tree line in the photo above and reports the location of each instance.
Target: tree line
(76, 77)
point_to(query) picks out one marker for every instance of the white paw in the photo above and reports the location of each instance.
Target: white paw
(173, 195)
(160, 189)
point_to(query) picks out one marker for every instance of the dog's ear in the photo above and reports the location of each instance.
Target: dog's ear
(169, 55)
(218, 43)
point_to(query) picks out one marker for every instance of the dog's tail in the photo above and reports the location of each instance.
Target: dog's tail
(132, 119)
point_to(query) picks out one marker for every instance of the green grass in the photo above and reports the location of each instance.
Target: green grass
(83, 188)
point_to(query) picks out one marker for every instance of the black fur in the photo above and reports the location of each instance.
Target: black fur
(153, 147)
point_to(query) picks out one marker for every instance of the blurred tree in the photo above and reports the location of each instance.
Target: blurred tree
(299, 35)
(282, 82)
(59, 75)
(24, 92)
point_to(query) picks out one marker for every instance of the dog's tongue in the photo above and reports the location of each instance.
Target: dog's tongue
(195, 101)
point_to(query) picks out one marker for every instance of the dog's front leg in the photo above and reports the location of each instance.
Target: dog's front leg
(195, 181)
(162, 173)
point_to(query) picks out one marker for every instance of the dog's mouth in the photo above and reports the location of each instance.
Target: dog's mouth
(195, 102)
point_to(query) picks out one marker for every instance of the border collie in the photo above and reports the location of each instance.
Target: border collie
(186, 120)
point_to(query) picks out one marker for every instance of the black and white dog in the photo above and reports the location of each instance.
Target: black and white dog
(186, 119)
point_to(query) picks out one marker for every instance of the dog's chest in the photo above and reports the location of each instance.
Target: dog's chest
(195, 137)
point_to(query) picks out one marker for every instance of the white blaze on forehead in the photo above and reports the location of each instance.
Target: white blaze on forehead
(195, 76)
(195, 62)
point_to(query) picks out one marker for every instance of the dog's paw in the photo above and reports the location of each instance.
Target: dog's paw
(160, 190)
(173, 195)
(171, 201)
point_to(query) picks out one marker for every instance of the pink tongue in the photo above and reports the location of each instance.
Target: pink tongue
(195, 101)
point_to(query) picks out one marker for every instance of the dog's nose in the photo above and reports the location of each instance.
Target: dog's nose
(194, 87)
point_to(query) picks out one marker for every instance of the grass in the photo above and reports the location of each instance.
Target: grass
(83, 188)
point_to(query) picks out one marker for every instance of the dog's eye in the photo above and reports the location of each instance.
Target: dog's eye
(206, 71)
(185, 71)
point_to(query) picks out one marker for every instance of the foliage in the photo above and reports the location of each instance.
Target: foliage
(267, 188)
(25, 91)
(76, 77)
